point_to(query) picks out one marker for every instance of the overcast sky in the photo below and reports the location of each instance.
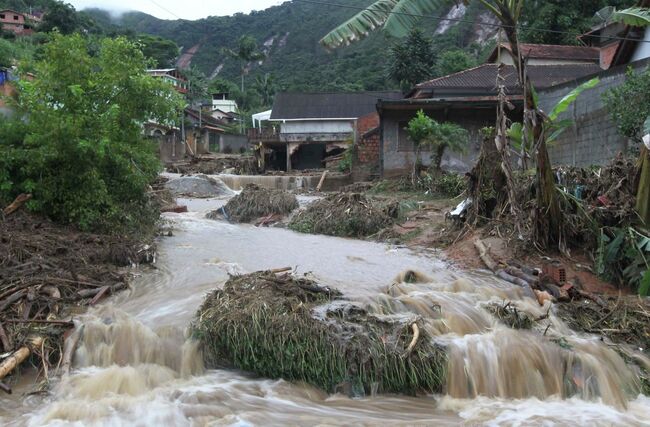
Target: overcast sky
(173, 9)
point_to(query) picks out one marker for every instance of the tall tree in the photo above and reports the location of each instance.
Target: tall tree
(265, 85)
(246, 53)
(163, 51)
(411, 61)
(61, 16)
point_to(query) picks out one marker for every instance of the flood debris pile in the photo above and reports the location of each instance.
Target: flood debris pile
(345, 215)
(218, 163)
(292, 328)
(623, 320)
(201, 186)
(255, 202)
(45, 271)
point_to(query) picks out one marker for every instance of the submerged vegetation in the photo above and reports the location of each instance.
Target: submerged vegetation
(290, 328)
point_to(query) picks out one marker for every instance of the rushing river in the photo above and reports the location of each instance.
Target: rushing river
(134, 365)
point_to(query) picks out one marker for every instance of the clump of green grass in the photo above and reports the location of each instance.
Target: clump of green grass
(266, 324)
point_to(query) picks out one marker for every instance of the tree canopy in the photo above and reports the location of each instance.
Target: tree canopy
(76, 143)
(411, 61)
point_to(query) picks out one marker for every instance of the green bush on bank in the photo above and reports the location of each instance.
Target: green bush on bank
(75, 140)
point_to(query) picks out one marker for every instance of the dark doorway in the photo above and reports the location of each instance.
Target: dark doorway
(276, 160)
(308, 156)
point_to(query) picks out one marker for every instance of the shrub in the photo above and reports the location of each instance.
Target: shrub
(76, 142)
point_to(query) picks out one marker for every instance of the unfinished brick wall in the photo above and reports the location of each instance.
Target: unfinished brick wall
(366, 161)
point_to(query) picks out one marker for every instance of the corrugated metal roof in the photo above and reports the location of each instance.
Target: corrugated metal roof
(333, 105)
(484, 77)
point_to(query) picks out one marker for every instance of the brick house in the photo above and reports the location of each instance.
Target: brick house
(13, 21)
(468, 98)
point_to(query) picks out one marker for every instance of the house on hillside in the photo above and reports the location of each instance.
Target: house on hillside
(468, 98)
(220, 102)
(173, 76)
(309, 127)
(16, 22)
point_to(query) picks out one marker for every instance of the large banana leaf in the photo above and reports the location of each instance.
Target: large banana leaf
(565, 102)
(395, 16)
(634, 16)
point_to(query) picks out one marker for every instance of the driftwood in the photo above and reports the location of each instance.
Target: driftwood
(504, 274)
(69, 348)
(17, 203)
(6, 341)
(18, 357)
(483, 252)
(4, 387)
(322, 180)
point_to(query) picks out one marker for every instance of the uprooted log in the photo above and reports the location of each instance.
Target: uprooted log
(504, 273)
(292, 328)
(19, 356)
(17, 203)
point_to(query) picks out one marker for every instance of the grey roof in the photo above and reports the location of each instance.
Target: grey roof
(484, 77)
(332, 105)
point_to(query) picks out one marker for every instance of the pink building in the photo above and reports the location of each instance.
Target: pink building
(13, 21)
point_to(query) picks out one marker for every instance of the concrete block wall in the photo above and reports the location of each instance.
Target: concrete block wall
(594, 138)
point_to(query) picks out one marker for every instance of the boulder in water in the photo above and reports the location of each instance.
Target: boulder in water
(198, 186)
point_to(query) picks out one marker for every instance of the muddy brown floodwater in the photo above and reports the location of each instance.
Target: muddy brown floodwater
(135, 366)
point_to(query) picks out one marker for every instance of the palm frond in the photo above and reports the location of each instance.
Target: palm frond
(634, 16)
(358, 27)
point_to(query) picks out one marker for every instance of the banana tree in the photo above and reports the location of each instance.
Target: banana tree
(398, 16)
(640, 17)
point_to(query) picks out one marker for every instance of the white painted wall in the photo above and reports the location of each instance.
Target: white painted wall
(642, 49)
(225, 105)
(317, 126)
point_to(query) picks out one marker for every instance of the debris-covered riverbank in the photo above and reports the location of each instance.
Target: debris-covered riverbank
(48, 274)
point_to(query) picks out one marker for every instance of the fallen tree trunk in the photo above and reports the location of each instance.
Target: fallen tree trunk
(16, 204)
(18, 357)
(485, 256)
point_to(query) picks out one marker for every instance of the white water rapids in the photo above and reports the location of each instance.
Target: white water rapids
(134, 365)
